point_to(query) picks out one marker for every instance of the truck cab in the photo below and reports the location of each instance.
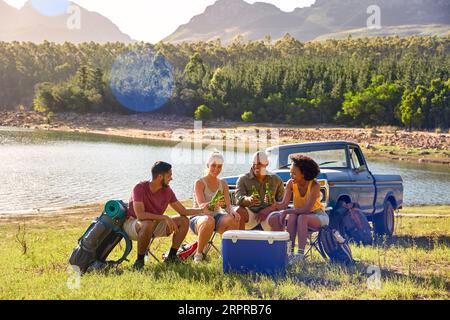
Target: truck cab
(345, 178)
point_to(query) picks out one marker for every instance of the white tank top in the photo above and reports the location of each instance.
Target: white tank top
(208, 194)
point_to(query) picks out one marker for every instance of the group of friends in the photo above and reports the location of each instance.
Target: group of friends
(261, 200)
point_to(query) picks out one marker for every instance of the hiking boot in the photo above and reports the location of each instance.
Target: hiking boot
(172, 259)
(138, 265)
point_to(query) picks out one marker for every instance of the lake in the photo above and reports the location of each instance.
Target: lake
(43, 169)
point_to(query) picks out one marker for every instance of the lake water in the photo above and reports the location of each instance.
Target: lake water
(49, 170)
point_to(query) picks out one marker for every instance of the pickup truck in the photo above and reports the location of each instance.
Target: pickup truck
(345, 178)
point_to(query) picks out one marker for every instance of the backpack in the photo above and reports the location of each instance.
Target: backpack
(186, 251)
(352, 223)
(334, 246)
(102, 236)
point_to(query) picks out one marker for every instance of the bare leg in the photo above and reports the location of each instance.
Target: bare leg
(306, 222)
(145, 232)
(183, 228)
(244, 217)
(274, 222)
(205, 228)
(292, 228)
(227, 223)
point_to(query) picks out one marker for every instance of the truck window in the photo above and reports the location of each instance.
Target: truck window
(356, 158)
(334, 158)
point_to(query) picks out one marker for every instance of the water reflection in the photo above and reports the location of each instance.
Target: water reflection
(49, 169)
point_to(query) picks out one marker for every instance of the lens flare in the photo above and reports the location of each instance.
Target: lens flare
(141, 80)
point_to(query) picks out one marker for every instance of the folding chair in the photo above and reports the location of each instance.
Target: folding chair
(208, 247)
(149, 253)
(313, 239)
(212, 245)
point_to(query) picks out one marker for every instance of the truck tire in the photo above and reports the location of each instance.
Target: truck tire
(384, 223)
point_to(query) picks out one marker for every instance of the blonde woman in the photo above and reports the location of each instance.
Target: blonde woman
(204, 191)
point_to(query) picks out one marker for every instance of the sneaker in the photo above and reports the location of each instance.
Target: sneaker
(295, 259)
(199, 257)
(138, 265)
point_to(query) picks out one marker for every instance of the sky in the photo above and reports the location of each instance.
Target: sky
(152, 20)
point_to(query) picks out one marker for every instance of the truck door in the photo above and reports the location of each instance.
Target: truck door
(362, 180)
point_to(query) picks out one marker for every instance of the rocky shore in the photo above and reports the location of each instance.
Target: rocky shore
(386, 142)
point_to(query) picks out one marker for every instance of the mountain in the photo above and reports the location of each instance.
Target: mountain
(27, 24)
(226, 19)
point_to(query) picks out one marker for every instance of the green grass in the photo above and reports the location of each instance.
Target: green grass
(415, 264)
(438, 210)
(405, 152)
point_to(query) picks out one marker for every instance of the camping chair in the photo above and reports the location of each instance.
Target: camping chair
(149, 252)
(212, 245)
(208, 247)
(313, 238)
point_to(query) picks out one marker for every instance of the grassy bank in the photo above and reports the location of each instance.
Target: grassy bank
(415, 264)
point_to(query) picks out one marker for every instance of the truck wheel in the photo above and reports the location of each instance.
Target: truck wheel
(384, 223)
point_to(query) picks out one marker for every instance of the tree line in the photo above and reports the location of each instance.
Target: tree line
(365, 81)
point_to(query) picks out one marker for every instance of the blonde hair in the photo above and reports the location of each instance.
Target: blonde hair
(216, 156)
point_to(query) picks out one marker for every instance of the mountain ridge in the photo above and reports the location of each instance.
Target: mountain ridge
(26, 24)
(227, 19)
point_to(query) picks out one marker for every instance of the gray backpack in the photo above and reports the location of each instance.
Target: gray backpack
(333, 246)
(102, 236)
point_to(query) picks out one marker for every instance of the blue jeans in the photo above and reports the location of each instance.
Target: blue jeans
(194, 221)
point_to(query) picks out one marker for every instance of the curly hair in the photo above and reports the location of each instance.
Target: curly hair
(307, 166)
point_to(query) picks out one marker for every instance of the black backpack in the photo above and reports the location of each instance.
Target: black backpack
(352, 223)
(335, 247)
(103, 235)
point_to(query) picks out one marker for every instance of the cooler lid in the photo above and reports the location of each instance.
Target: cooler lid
(256, 235)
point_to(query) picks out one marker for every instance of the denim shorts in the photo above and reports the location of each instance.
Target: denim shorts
(319, 213)
(322, 216)
(194, 220)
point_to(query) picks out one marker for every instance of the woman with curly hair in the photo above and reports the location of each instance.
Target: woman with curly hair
(308, 211)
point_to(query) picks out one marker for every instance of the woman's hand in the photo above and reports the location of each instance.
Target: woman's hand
(282, 218)
(220, 204)
(205, 209)
(288, 212)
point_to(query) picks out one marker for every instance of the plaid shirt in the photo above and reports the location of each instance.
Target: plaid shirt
(246, 182)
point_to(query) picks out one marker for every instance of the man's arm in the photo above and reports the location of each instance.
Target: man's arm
(182, 211)
(242, 199)
(141, 215)
(287, 196)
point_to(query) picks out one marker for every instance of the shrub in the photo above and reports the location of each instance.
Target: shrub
(203, 113)
(248, 116)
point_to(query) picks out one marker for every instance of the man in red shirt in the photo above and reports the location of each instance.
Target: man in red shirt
(145, 219)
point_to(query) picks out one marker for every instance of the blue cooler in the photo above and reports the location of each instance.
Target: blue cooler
(255, 252)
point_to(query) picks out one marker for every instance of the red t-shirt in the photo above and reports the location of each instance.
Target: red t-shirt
(155, 203)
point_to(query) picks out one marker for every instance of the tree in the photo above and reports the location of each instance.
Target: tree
(410, 109)
(203, 113)
(375, 105)
(248, 116)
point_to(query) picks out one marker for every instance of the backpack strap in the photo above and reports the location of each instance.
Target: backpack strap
(124, 235)
(128, 247)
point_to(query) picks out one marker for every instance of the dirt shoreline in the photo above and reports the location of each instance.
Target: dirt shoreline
(387, 143)
(91, 211)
